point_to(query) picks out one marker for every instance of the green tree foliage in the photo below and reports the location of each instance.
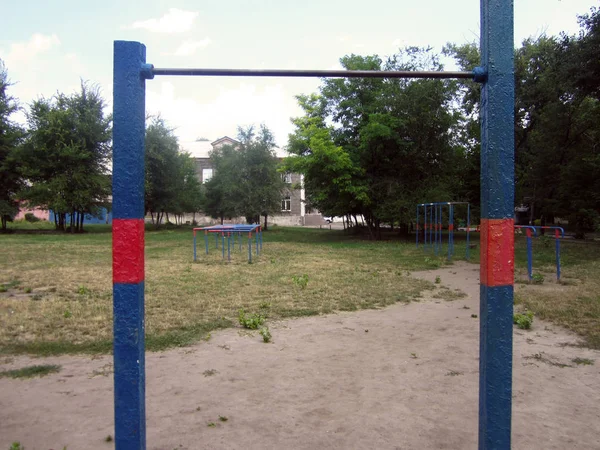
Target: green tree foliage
(10, 137)
(390, 143)
(246, 180)
(171, 182)
(66, 155)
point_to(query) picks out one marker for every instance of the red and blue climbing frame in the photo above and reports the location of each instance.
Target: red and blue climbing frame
(497, 232)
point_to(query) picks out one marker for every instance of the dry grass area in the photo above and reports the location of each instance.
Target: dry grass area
(59, 293)
(575, 302)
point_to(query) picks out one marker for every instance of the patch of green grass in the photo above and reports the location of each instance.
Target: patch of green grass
(450, 295)
(523, 321)
(31, 371)
(223, 418)
(16, 446)
(583, 361)
(438, 279)
(211, 424)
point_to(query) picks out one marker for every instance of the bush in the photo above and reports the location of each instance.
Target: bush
(30, 217)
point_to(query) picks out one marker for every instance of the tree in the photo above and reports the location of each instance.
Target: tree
(66, 155)
(10, 137)
(246, 180)
(390, 145)
(163, 181)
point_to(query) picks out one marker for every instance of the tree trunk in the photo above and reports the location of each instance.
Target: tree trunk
(71, 224)
(222, 219)
(152, 217)
(265, 227)
(3, 222)
(81, 217)
(194, 218)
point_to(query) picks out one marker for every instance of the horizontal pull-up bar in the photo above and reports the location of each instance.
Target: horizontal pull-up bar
(478, 74)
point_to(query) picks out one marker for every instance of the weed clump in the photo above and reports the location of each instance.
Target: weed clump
(523, 321)
(250, 320)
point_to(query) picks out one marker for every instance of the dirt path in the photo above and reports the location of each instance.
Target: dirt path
(405, 377)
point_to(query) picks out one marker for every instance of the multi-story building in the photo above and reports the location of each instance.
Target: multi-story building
(293, 208)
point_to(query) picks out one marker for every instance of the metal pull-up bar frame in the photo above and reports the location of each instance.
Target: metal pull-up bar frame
(497, 220)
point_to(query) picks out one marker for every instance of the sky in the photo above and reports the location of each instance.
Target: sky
(49, 46)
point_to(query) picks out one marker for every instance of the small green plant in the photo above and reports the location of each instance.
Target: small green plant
(537, 278)
(36, 297)
(474, 316)
(300, 281)
(251, 320)
(223, 418)
(265, 305)
(209, 372)
(266, 334)
(438, 280)
(67, 314)
(413, 356)
(108, 438)
(28, 290)
(16, 446)
(523, 321)
(3, 288)
(82, 290)
(211, 424)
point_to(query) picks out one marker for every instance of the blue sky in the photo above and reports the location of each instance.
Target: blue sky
(49, 46)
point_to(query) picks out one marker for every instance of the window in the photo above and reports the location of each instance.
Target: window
(286, 203)
(206, 175)
(286, 177)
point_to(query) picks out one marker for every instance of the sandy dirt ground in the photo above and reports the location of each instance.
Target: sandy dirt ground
(404, 377)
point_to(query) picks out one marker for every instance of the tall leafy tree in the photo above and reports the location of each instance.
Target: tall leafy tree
(10, 137)
(390, 140)
(66, 155)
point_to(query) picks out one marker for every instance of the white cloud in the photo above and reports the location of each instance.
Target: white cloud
(24, 52)
(188, 47)
(174, 21)
(216, 116)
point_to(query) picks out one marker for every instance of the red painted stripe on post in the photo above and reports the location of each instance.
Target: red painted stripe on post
(497, 252)
(128, 250)
(451, 227)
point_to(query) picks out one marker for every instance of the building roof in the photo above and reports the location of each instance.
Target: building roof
(202, 149)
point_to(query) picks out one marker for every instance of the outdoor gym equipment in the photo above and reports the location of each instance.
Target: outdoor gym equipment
(231, 231)
(435, 225)
(530, 232)
(496, 75)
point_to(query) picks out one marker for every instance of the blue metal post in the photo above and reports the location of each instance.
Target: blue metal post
(194, 246)
(425, 227)
(529, 255)
(206, 241)
(417, 228)
(223, 244)
(557, 255)
(216, 240)
(431, 231)
(450, 231)
(435, 229)
(228, 246)
(240, 240)
(129, 115)
(468, 231)
(249, 247)
(497, 223)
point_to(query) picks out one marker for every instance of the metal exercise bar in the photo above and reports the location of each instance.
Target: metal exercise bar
(528, 233)
(477, 74)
